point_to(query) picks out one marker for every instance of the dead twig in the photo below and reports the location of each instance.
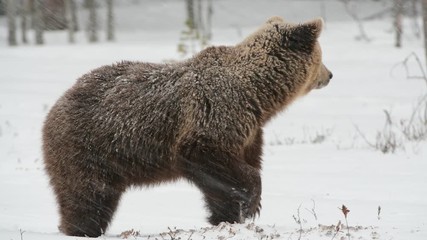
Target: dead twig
(345, 211)
(313, 210)
(21, 232)
(297, 219)
(405, 64)
(337, 229)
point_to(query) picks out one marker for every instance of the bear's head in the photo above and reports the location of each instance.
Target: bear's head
(293, 50)
(301, 41)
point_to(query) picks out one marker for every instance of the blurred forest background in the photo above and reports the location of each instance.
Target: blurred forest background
(28, 21)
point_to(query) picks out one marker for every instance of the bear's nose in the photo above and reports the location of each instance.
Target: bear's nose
(330, 75)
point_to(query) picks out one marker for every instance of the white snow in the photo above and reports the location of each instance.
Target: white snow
(315, 160)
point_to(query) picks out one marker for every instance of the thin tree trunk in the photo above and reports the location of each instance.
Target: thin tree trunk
(202, 20)
(32, 14)
(110, 21)
(54, 16)
(2, 7)
(415, 17)
(74, 15)
(71, 24)
(398, 12)
(199, 21)
(38, 22)
(209, 20)
(11, 20)
(425, 27)
(93, 24)
(190, 14)
(24, 22)
(191, 23)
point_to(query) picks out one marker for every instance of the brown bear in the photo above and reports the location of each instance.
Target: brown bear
(139, 124)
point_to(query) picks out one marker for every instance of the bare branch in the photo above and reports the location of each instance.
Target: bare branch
(353, 14)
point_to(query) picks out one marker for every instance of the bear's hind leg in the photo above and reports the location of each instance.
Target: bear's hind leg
(231, 187)
(253, 151)
(87, 211)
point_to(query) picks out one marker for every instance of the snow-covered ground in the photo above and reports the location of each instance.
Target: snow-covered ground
(316, 157)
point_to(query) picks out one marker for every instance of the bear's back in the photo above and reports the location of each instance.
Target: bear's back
(114, 109)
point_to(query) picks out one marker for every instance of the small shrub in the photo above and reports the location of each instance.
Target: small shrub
(415, 129)
(386, 140)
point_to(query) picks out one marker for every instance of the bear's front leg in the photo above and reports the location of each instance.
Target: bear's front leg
(231, 187)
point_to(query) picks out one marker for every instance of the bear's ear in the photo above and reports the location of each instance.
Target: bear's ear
(275, 19)
(314, 27)
(304, 36)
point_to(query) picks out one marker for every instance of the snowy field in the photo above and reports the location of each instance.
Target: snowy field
(317, 156)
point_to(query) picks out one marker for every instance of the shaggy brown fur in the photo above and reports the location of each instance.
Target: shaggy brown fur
(136, 123)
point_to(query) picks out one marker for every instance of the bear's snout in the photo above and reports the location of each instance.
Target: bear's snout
(323, 84)
(324, 78)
